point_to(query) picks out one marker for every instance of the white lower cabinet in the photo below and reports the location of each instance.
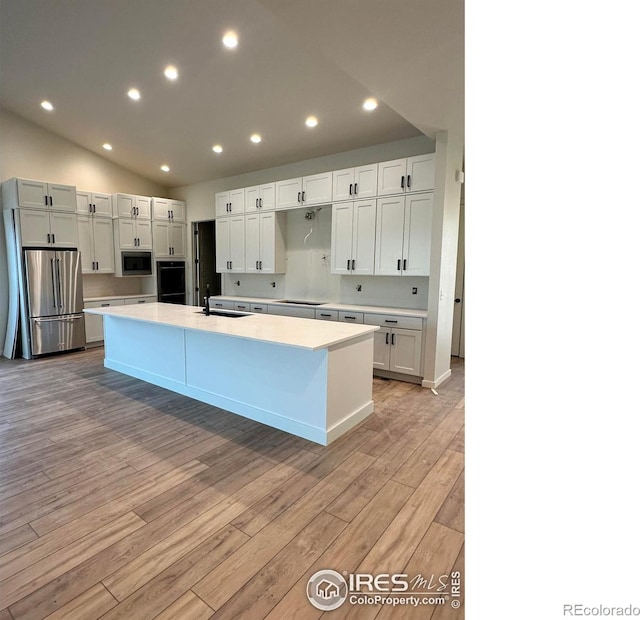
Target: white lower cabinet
(93, 322)
(95, 242)
(398, 350)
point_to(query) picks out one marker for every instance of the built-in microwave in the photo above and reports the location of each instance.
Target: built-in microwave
(136, 263)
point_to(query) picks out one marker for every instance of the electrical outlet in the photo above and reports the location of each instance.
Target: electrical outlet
(358, 287)
(414, 290)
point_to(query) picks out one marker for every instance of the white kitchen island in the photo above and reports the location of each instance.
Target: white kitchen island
(309, 378)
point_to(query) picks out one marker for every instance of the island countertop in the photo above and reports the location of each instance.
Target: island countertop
(284, 330)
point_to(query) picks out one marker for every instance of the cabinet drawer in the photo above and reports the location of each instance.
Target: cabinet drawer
(326, 315)
(388, 320)
(139, 300)
(241, 305)
(350, 317)
(227, 305)
(303, 313)
(106, 303)
(259, 308)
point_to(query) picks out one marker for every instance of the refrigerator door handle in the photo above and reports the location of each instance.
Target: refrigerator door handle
(57, 319)
(59, 285)
(53, 283)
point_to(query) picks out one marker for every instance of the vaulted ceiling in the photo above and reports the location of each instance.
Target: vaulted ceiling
(295, 58)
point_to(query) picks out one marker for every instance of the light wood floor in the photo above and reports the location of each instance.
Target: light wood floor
(124, 500)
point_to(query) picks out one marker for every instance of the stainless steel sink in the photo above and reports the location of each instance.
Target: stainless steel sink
(231, 314)
(300, 303)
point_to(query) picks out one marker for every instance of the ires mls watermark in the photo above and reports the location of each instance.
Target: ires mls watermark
(328, 589)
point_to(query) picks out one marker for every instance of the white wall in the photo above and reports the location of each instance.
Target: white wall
(308, 274)
(31, 152)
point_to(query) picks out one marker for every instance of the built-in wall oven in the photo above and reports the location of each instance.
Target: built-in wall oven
(171, 282)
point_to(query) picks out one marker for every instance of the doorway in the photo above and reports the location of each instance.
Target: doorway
(457, 340)
(204, 261)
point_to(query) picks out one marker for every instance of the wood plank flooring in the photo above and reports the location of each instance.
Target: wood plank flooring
(119, 499)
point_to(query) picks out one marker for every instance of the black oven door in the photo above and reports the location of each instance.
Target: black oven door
(171, 282)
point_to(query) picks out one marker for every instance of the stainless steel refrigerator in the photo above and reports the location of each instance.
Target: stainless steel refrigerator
(53, 282)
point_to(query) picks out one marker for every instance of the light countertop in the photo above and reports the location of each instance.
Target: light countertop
(327, 306)
(283, 330)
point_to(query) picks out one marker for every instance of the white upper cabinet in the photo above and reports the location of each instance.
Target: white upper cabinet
(352, 183)
(230, 202)
(131, 206)
(403, 235)
(96, 244)
(25, 193)
(304, 192)
(288, 193)
(94, 203)
(168, 239)
(167, 209)
(133, 234)
(264, 242)
(412, 174)
(353, 235)
(230, 244)
(260, 198)
(42, 228)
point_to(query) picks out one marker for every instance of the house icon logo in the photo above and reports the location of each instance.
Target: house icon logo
(327, 590)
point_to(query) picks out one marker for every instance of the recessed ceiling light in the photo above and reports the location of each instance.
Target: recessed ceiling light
(311, 121)
(134, 94)
(230, 39)
(47, 105)
(217, 149)
(171, 73)
(370, 104)
(106, 146)
(165, 168)
(255, 138)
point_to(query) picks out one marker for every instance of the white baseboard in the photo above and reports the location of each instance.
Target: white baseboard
(434, 384)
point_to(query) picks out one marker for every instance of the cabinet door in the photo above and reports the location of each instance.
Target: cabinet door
(392, 176)
(252, 199)
(288, 193)
(222, 244)
(381, 346)
(222, 203)
(143, 232)
(178, 240)
(365, 181)
(62, 197)
(178, 210)
(86, 243)
(406, 351)
(268, 197)
(93, 322)
(83, 202)
(143, 207)
(342, 185)
(252, 241)
(364, 237)
(124, 204)
(64, 228)
(341, 237)
(161, 241)
(103, 253)
(421, 173)
(34, 227)
(267, 243)
(389, 236)
(236, 198)
(161, 208)
(416, 249)
(236, 243)
(127, 234)
(316, 189)
(31, 194)
(102, 204)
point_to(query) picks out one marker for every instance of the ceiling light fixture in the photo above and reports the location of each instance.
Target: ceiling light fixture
(255, 138)
(217, 149)
(47, 105)
(134, 94)
(311, 121)
(171, 73)
(370, 104)
(165, 168)
(230, 39)
(106, 146)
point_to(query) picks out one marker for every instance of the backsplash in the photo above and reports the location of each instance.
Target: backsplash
(103, 285)
(309, 276)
